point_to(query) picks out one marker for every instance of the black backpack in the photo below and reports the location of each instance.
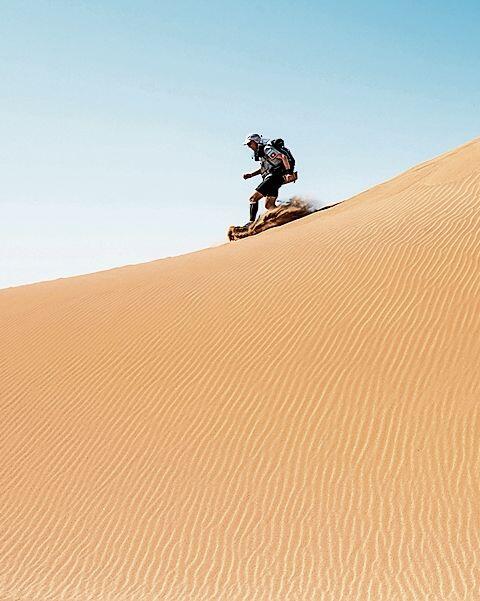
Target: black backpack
(279, 145)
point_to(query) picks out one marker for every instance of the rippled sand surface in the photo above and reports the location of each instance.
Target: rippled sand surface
(294, 416)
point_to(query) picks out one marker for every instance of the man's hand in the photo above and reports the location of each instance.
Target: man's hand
(254, 174)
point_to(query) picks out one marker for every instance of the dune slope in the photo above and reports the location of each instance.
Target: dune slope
(293, 416)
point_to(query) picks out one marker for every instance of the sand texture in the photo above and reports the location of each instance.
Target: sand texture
(293, 416)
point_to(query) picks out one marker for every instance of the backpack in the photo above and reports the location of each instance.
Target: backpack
(279, 145)
(291, 175)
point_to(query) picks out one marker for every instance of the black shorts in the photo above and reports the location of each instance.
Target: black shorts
(270, 185)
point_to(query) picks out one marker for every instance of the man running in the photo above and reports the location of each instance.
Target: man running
(273, 165)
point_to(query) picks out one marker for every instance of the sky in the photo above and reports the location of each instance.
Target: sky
(122, 123)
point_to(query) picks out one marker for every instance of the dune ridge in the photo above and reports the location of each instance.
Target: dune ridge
(293, 416)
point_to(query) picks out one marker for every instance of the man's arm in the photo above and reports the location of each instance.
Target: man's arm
(274, 154)
(285, 161)
(249, 175)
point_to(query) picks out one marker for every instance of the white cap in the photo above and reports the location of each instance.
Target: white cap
(253, 138)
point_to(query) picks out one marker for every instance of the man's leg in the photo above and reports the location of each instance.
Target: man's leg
(270, 202)
(254, 198)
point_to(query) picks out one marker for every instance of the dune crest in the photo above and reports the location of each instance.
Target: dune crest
(293, 417)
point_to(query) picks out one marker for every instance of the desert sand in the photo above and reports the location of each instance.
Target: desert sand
(293, 416)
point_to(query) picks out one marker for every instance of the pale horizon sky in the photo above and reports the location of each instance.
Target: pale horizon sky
(122, 124)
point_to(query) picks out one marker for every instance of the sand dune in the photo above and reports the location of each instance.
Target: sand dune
(293, 416)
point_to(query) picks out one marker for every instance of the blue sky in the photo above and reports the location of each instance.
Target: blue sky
(122, 124)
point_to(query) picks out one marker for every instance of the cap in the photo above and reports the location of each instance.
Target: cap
(253, 138)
